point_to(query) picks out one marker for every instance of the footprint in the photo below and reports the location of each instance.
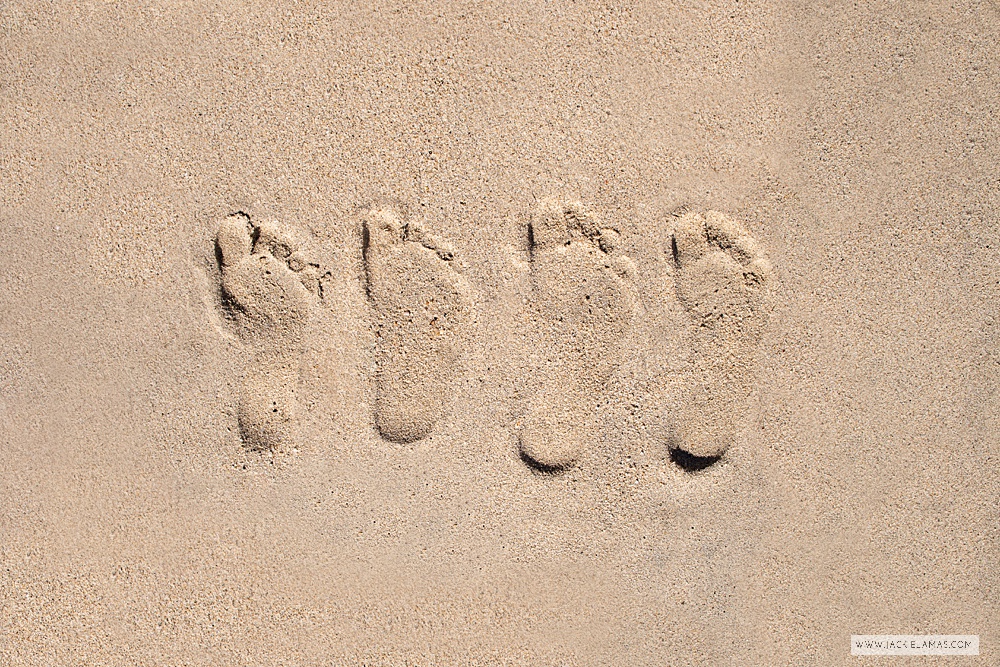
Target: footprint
(266, 284)
(583, 303)
(421, 305)
(723, 281)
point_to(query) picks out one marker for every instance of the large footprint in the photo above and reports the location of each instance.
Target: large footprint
(584, 302)
(266, 283)
(724, 282)
(421, 304)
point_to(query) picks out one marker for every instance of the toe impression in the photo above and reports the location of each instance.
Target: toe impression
(234, 239)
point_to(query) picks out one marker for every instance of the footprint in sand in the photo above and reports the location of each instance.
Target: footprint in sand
(266, 284)
(583, 302)
(723, 281)
(421, 305)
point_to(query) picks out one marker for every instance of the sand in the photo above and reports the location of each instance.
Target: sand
(447, 333)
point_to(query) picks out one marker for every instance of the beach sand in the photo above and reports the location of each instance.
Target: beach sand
(475, 333)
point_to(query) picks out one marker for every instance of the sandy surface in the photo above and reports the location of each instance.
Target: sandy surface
(388, 514)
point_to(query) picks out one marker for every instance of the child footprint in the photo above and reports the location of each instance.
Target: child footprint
(266, 283)
(583, 303)
(723, 281)
(421, 305)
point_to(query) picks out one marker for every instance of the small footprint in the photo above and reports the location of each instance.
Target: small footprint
(583, 302)
(421, 305)
(266, 283)
(723, 281)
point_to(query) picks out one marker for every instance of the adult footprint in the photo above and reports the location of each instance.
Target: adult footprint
(583, 303)
(266, 283)
(421, 304)
(723, 281)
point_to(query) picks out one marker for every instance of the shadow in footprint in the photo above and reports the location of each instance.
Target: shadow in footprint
(691, 463)
(540, 468)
